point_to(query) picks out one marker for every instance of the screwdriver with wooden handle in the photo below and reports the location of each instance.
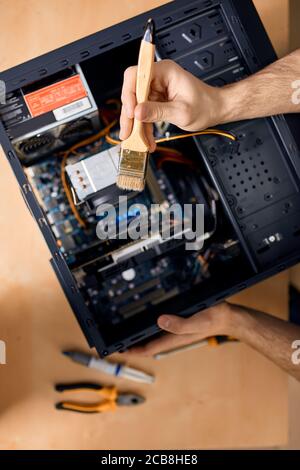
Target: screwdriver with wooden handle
(211, 341)
(135, 150)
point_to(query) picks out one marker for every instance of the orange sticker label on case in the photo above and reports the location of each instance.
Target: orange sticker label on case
(54, 96)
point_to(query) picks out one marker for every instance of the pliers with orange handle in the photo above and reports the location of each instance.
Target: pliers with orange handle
(111, 398)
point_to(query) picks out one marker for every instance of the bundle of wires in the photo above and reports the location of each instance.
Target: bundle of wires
(170, 138)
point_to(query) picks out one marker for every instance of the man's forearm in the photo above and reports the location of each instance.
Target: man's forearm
(266, 334)
(268, 92)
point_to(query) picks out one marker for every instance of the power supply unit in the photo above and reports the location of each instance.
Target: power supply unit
(58, 125)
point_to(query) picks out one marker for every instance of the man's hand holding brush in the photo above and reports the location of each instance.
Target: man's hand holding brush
(176, 96)
(160, 91)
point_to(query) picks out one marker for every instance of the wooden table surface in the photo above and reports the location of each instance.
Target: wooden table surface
(207, 398)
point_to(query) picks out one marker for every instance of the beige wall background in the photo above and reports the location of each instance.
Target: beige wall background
(31, 18)
(294, 24)
(245, 389)
(276, 19)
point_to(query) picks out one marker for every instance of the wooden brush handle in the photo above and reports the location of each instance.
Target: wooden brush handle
(144, 71)
(137, 140)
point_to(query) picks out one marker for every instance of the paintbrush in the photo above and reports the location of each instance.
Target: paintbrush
(135, 150)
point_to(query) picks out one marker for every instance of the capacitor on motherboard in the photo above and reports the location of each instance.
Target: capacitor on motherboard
(129, 274)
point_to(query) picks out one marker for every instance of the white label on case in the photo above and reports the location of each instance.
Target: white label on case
(72, 108)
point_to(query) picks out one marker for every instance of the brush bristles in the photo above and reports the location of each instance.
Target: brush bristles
(132, 169)
(131, 183)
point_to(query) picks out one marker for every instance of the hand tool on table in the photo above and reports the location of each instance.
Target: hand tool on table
(116, 369)
(135, 149)
(212, 341)
(111, 398)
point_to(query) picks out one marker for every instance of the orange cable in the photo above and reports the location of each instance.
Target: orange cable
(226, 134)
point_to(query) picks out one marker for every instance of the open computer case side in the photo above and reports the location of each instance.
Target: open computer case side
(244, 23)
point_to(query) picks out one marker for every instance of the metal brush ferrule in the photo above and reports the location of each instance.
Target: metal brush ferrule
(132, 163)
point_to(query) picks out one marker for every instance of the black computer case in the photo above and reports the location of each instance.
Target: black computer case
(256, 177)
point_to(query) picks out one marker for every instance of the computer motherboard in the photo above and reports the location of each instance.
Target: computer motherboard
(121, 278)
